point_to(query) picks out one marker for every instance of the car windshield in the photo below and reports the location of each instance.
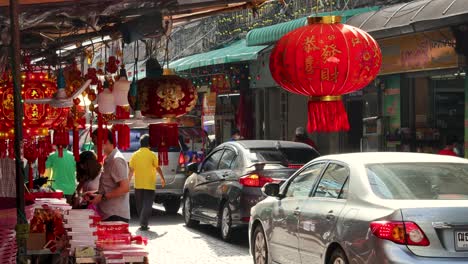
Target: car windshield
(286, 156)
(419, 181)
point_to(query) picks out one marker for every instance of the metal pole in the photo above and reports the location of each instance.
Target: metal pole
(18, 104)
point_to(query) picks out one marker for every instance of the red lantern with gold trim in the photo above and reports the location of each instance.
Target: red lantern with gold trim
(325, 60)
(166, 97)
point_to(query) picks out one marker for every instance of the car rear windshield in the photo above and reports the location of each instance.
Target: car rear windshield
(419, 181)
(286, 156)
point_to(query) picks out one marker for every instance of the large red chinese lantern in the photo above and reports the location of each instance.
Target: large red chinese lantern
(168, 96)
(325, 60)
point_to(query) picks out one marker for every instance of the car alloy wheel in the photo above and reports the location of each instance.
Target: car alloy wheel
(226, 223)
(260, 248)
(188, 212)
(338, 257)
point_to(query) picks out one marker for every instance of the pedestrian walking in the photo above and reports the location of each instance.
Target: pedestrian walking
(143, 165)
(62, 172)
(112, 198)
(302, 137)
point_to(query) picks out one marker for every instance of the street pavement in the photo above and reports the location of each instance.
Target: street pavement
(171, 242)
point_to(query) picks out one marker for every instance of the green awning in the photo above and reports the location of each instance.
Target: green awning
(236, 52)
(271, 34)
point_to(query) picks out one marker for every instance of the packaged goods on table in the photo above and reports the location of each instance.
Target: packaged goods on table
(82, 231)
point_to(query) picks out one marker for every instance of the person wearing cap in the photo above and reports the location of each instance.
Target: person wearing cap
(302, 137)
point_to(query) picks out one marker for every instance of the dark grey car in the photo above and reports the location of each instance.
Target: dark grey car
(227, 184)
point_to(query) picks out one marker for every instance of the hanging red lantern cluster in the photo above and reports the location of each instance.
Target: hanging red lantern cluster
(61, 139)
(44, 147)
(168, 96)
(325, 60)
(162, 137)
(30, 154)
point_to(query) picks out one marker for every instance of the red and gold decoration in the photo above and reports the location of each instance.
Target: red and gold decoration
(325, 60)
(163, 136)
(30, 154)
(61, 139)
(169, 96)
(37, 117)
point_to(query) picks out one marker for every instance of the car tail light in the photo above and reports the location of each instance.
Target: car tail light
(181, 159)
(405, 233)
(295, 166)
(254, 180)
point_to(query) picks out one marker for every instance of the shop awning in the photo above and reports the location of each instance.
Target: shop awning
(411, 17)
(236, 52)
(271, 34)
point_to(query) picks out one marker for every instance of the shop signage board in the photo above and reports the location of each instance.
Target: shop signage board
(209, 104)
(419, 52)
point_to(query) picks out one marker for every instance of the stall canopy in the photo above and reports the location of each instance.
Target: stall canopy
(271, 34)
(411, 17)
(236, 52)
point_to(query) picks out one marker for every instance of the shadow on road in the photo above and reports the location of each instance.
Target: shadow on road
(207, 234)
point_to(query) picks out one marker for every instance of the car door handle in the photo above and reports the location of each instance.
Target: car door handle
(330, 216)
(208, 178)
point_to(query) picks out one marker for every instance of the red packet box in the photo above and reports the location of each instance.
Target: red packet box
(117, 227)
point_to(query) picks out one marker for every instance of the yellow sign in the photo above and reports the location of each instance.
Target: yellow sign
(417, 52)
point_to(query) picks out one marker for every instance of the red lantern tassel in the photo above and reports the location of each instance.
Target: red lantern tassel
(163, 155)
(3, 148)
(99, 137)
(327, 114)
(76, 144)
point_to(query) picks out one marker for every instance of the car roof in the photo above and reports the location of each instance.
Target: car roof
(391, 157)
(258, 144)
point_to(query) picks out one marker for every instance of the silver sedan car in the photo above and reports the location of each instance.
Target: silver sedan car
(366, 208)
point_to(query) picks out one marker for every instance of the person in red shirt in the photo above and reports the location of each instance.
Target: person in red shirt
(448, 150)
(302, 137)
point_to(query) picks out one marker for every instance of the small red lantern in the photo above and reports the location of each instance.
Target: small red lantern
(325, 60)
(61, 139)
(169, 96)
(163, 136)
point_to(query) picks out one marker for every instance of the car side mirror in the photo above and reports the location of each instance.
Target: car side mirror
(192, 168)
(271, 189)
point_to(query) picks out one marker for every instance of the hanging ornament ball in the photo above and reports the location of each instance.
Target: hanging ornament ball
(324, 60)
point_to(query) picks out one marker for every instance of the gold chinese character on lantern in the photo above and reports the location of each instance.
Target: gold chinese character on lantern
(310, 45)
(8, 103)
(34, 112)
(329, 51)
(309, 65)
(170, 95)
(34, 93)
(327, 75)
